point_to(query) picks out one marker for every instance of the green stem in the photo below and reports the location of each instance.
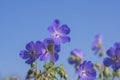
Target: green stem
(53, 54)
(37, 65)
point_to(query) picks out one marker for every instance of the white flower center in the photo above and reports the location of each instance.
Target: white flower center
(84, 73)
(57, 34)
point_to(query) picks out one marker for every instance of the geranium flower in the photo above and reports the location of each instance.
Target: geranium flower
(86, 71)
(97, 44)
(32, 52)
(49, 50)
(77, 54)
(59, 33)
(114, 57)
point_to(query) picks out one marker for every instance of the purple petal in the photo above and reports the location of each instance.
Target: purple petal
(108, 62)
(117, 52)
(77, 53)
(111, 52)
(56, 56)
(24, 54)
(48, 41)
(88, 66)
(56, 23)
(117, 45)
(29, 61)
(38, 46)
(51, 30)
(95, 46)
(57, 40)
(45, 55)
(57, 48)
(116, 66)
(64, 29)
(65, 39)
(30, 46)
(98, 37)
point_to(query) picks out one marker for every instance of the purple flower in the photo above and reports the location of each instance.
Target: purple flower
(114, 57)
(97, 44)
(32, 52)
(59, 33)
(78, 55)
(86, 71)
(49, 50)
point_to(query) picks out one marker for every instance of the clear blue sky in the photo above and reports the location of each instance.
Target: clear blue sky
(22, 21)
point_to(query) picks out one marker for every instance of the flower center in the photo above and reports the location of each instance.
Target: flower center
(33, 53)
(116, 59)
(84, 73)
(45, 51)
(57, 35)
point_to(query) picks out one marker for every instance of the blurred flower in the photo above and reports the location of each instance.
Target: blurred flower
(49, 50)
(32, 52)
(76, 56)
(86, 71)
(59, 33)
(114, 57)
(97, 44)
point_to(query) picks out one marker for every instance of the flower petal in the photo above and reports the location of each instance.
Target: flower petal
(29, 61)
(64, 29)
(108, 62)
(24, 54)
(116, 66)
(117, 52)
(117, 45)
(48, 41)
(65, 39)
(30, 46)
(56, 23)
(57, 48)
(51, 30)
(111, 52)
(38, 46)
(56, 56)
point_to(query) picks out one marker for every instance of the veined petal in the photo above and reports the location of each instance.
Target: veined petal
(38, 46)
(64, 29)
(30, 46)
(65, 39)
(24, 54)
(51, 30)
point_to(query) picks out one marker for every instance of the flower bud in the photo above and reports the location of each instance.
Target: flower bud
(101, 54)
(118, 73)
(106, 72)
(101, 76)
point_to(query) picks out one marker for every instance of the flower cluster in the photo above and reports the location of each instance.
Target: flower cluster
(49, 48)
(85, 69)
(48, 51)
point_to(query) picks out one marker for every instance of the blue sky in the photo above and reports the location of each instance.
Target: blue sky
(22, 21)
